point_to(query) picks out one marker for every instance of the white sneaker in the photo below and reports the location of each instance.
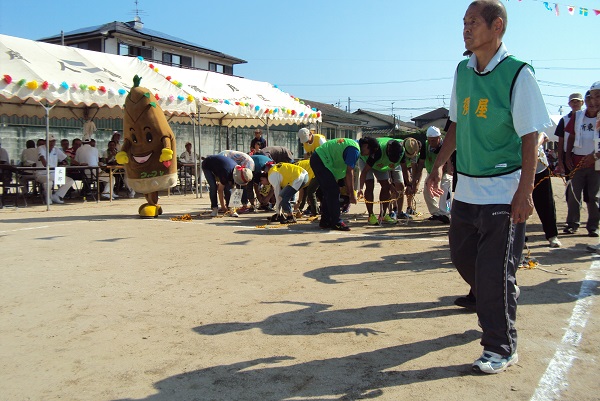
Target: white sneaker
(234, 214)
(105, 195)
(56, 199)
(131, 194)
(115, 196)
(554, 242)
(215, 212)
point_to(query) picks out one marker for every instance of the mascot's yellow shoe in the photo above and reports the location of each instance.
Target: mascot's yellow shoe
(149, 211)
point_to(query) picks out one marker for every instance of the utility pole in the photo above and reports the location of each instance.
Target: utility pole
(348, 104)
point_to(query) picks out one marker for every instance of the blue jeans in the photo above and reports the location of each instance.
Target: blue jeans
(212, 189)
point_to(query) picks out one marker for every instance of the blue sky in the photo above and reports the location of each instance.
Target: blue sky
(383, 55)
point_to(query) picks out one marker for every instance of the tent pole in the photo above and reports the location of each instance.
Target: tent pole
(48, 189)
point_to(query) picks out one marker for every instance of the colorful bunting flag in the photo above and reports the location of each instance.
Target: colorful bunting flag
(583, 11)
(571, 9)
(556, 9)
(597, 12)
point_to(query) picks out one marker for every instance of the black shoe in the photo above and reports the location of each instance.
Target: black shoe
(433, 217)
(341, 227)
(467, 302)
(324, 226)
(570, 230)
(593, 233)
(444, 219)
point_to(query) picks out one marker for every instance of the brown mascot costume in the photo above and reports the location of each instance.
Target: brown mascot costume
(148, 148)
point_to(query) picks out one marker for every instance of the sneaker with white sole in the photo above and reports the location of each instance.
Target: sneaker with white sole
(214, 212)
(373, 220)
(554, 242)
(491, 363)
(389, 220)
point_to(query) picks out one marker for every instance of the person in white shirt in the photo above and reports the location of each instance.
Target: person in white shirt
(497, 110)
(54, 157)
(581, 144)
(87, 155)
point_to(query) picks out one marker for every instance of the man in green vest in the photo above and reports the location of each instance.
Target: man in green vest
(497, 110)
(382, 163)
(332, 161)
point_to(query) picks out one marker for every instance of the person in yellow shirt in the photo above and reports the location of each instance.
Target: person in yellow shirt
(286, 180)
(308, 194)
(310, 141)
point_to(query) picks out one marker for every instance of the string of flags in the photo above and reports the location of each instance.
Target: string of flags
(572, 10)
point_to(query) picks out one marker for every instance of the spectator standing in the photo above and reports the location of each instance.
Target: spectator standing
(496, 109)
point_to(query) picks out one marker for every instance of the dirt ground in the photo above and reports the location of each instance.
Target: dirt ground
(98, 304)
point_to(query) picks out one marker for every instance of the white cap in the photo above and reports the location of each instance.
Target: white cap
(242, 175)
(304, 135)
(433, 132)
(51, 138)
(595, 86)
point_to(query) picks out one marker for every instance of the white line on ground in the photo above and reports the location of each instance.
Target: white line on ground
(554, 379)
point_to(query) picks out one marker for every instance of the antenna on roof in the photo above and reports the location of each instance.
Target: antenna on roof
(137, 12)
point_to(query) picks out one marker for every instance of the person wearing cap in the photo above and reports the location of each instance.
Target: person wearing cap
(413, 152)
(439, 207)
(222, 173)
(580, 159)
(497, 110)
(383, 162)
(258, 139)
(286, 179)
(55, 156)
(310, 141)
(575, 103)
(333, 161)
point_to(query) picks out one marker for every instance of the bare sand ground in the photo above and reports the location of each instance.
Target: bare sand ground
(97, 304)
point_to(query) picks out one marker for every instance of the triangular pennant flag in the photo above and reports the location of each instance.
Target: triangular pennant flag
(583, 11)
(556, 9)
(571, 9)
(547, 6)
(597, 12)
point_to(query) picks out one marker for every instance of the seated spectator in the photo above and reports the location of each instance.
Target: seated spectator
(188, 156)
(29, 155)
(110, 153)
(87, 155)
(54, 157)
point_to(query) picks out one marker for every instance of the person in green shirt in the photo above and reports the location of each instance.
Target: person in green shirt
(332, 161)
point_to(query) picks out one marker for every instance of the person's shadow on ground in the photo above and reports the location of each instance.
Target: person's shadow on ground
(315, 318)
(359, 376)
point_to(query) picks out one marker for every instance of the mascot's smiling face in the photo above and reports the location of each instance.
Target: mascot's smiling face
(146, 132)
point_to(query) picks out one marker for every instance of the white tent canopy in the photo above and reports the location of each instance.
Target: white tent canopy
(550, 130)
(238, 102)
(74, 80)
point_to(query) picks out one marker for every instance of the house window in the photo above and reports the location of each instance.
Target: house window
(216, 67)
(176, 59)
(134, 51)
